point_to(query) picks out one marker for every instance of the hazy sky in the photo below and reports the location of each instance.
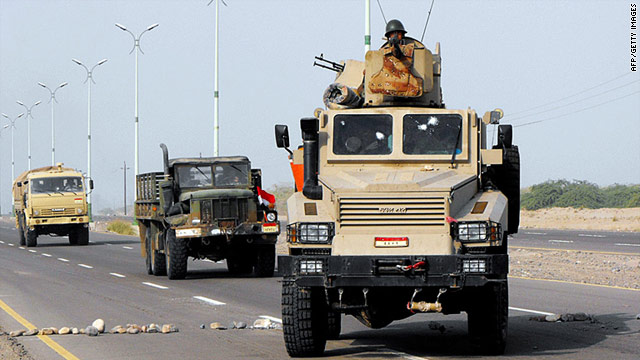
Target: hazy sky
(516, 55)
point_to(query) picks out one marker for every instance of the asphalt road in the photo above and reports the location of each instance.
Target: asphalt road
(58, 285)
(602, 241)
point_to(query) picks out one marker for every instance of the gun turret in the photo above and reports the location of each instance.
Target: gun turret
(334, 65)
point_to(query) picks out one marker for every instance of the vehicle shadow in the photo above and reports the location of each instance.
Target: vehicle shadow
(64, 242)
(526, 338)
(220, 272)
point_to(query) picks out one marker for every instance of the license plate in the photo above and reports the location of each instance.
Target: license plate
(188, 232)
(269, 228)
(387, 242)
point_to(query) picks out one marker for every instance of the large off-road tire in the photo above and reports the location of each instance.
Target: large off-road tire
(82, 234)
(304, 319)
(265, 260)
(334, 325)
(239, 263)
(176, 256)
(155, 261)
(31, 238)
(21, 230)
(488, 319)
(506, 178)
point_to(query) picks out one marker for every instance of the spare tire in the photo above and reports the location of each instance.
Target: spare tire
(506, 178)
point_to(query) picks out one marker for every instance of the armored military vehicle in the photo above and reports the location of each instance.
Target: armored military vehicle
(206, 208)
(403, 208)
(51, 200)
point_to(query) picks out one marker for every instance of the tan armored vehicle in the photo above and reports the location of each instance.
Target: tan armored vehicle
(206, 208)
(403, 207)
(51, 200)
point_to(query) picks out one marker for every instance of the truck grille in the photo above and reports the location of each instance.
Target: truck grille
(392, 211)
(236, 209)
(65, 212)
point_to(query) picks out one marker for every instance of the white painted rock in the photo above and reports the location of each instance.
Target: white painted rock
(74, 331)
(552, 318)
(217, 326)
(17, 333)
(31, 332)
(262, 324)
(64, 330)
(99, 324)
(133, 330)
(115, 329)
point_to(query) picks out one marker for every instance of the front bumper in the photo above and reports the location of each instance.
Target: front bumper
(386, 271)
(245, 229)
(59, 220)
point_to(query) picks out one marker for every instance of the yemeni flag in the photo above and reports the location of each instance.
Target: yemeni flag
(265, 198)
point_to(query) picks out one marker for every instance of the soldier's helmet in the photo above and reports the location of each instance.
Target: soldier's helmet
(394, 25)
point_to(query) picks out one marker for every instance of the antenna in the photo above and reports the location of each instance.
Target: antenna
(427, 22)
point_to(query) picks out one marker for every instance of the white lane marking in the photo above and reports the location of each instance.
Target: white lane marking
(400, 354)
(85, 266)
(45, 254)
(63, 259)
(531, 311)
(32, 251)
(155, 285)
(274, 319)
(117, 275)
(590, 235)
(535, 233)
(20, 247)
(10, 244)
(209, 301)
(623, 244)
(1, 242)
(127, 247)
(560, 241)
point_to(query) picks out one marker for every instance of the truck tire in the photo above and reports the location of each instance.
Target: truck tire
(506, 178)
(334, 325)
(154, 260)
(176, 256)
(265, 260)
(31, 238)
(73, 237)
(488, 319)
(239, 264)
(21, 230)
(82, 235)
(304, 322)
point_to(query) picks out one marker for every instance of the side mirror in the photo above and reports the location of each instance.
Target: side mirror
(492, 117)
(91, 184)
(505, 136)
(282, 136)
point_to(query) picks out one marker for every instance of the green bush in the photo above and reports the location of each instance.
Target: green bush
(579, 194)
(121, 227)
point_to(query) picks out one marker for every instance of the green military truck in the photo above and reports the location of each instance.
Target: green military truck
(404, 206)
(205, 208)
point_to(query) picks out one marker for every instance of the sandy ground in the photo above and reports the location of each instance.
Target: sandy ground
(582, 219)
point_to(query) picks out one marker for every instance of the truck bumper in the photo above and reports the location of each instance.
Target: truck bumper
(454, 271)
(258, 232)
(62, 220)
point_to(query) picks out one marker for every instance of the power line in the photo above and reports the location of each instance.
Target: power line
(575, 102)
(566, 97)
(577, 111)
(427, 22)
(383, 17)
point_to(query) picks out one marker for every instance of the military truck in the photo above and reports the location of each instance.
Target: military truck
(206, 208)
(51, 200)
(404, 206)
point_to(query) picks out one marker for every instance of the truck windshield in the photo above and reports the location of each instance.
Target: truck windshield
(56, 184)
(232, 174)
(362, 134)
(194, 176)
(427, 134)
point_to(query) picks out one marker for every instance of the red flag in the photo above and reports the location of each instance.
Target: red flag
(265, 197)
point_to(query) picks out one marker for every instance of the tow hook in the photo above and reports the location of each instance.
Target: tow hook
(423, 306)
(406, 268)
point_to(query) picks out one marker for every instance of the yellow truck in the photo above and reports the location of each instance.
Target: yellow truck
(51, 200)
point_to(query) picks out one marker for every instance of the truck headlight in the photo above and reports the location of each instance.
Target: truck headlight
(36, 212)
(79, 210)
(310, 233)
(481, 231)
(311, 266)
(271, 217)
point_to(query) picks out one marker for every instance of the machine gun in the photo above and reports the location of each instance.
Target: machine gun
(334, 66)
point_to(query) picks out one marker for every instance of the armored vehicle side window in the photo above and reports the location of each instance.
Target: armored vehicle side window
(232, 175)
(194, 176)
(427, 134)
(362, 134)
(56, 184)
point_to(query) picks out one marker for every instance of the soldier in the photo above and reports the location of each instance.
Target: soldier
(394, 32)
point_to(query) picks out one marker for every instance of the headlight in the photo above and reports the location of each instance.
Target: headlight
(476, 231)
(37, 212)
(311, 266)
(271, 217)
(310, 233)
(79, 210)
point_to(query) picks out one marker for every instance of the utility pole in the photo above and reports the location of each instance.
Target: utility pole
(367, 25)
(124, 168)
